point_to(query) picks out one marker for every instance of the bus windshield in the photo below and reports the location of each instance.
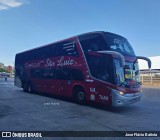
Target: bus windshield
(132, 71)
(119, 72)
(119, 44)
(109, 69)
(128, 75)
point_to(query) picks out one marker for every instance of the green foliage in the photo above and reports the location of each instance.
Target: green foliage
(3, 70)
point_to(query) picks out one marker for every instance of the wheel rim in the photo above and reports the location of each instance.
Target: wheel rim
(81, 96)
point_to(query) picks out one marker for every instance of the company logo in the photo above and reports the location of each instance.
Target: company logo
(51, 63)
(6, 134)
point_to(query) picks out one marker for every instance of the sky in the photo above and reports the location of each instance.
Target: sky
(27, 24)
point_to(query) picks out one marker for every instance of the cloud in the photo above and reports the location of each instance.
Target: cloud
(3, 7)
(6, 4)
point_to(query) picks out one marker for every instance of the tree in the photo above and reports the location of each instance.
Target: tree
(3, 70)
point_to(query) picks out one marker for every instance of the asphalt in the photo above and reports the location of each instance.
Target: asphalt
(21, 111)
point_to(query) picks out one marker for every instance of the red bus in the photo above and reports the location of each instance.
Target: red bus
(99, 67)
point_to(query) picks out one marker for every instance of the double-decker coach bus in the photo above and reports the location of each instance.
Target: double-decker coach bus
(99, 67)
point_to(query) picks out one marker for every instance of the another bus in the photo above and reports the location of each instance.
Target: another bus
(99, 67)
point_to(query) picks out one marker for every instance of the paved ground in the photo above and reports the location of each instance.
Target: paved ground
(22, 111)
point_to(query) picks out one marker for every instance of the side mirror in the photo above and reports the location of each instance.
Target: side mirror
(147, 59)
(115, 55)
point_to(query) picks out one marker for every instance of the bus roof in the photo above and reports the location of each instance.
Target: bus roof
(81, 36)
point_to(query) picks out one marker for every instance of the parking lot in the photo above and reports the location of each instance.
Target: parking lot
(21, 111)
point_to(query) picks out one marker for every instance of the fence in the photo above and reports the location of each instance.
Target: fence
(150, 79)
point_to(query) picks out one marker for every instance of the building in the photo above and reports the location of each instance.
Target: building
(9, 69)
(1, 65)
(155, 67)
(155, 63)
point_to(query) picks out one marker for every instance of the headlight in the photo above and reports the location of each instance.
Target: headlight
(117, 92)
(121, 93)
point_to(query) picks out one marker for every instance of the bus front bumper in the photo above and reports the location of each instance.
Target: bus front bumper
(122, 100)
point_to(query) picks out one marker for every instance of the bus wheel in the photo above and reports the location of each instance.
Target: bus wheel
(29, 88)
(25, 87)
(80, 96)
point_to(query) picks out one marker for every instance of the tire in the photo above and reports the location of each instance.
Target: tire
(80, 95)
(27, 88)
(24, 87)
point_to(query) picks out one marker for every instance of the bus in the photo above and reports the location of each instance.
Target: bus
(99, 67)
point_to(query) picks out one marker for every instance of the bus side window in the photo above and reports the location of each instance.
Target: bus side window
(77, 75)
(70, 49)
(42, 73)
(49, 73)
(36, 73)
(59, 74)
(74, 74)
(93, 44)
(58, 50)
(100, 68)
(66, 48)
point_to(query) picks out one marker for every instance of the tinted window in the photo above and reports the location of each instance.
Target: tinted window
(58, 74)
(73, 74)
(43, 73)
(66, 48)
(37, 73)
(119, 44)
(48, 73)
(93, 44)
(119, 71)
(101, 67)
(69, 48)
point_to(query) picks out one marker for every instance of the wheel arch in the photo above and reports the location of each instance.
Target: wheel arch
(76, 87)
